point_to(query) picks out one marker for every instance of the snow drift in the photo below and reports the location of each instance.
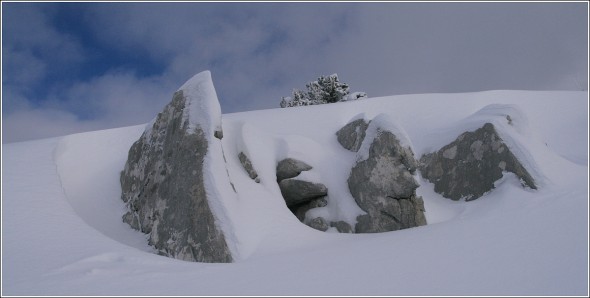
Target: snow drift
(63, 235)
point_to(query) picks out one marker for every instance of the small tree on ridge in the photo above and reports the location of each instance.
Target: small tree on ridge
(327, 89)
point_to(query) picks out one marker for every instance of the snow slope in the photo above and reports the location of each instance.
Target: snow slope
(62, 232)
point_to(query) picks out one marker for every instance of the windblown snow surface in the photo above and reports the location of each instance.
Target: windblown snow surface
(62, 232)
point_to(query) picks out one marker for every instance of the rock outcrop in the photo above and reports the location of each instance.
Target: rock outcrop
(166, 184)
(351, 136)
(382, 182)
(468, 167)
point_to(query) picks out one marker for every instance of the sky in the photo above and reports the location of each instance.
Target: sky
(75, 67)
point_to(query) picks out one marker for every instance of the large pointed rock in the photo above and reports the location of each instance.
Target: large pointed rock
(468, 167)
(382, 181)
(168, 183)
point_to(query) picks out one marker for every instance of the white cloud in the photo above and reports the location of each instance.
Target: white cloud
(30, 124)
(119, 97)
(112, 100)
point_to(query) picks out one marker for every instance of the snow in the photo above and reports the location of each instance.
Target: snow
(72, 155)
(203, 107)
(380, 123)
(203, 110)
(61, 209)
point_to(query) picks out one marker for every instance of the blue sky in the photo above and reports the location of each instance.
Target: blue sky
(72, 67)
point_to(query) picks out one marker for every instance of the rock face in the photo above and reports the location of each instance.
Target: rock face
(351, 136)
(290, 167)
(469, 166)
(383, 186)
(163, 183)
(247, 164)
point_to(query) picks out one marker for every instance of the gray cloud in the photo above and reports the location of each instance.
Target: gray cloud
(456, 47)
(258, 52)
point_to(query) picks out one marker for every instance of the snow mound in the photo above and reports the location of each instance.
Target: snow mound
(61, 208)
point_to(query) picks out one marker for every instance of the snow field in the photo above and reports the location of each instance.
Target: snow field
(63, 234)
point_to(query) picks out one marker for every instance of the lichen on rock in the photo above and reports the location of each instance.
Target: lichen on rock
(479, 159)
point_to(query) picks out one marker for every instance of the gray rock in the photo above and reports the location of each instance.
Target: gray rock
(218, 134)
(341, 226)
(247, 164)
(351, 136)
(469, 166)
(163, 188)
(300, 209)
(319, 223)
(383, 186)
(297, 191)
(290, 167)
(394, 214)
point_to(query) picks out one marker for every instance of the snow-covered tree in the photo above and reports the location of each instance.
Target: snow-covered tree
(355, 96)
(326, 89)
(285, 101)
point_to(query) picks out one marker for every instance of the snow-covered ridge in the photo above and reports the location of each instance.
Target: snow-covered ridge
(62, 195)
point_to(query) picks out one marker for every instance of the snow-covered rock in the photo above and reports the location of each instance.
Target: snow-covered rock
(382, 181)
(468, 167)
(297, 191)
(301, 209)
(291, 167)
(351, 136)
(169, 183)
(247, 164)
(318, 223)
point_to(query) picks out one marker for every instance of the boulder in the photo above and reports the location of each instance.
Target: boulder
(383, 184)
(468, 167)
(301, 195)
(165, 183)
(319, 223)
(290, 167)
(300, 209)
(296, 191)
(351, 136)
(247, 164)
(341, 226)
(218, 134)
